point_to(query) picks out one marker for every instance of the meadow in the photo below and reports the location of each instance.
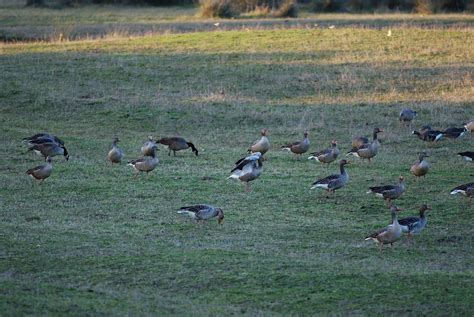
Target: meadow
(94, 240)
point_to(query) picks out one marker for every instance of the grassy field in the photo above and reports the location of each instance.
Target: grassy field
(92, 240)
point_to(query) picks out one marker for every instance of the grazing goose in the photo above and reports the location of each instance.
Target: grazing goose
(454, 133)
(466, 190)
(407, 115)
(468, 156)
(247, 169)
(115, 155)
(335, 181)
(469, 126)
(202, 212)
(427, 134)
(145, 164)
(177, 144)
(414, 225)
(299, 147)
(421, 167)
(389, 192)
(50, 149)
(262, 145)
(326, 156)
(42, 138)
(389, 234)
(41, 172)
(149, 147)
(368, 150)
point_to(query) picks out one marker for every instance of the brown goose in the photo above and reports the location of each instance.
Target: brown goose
(389, 192)
(335, 181)
(326, 156)
(369, 150)
(389, 234)
(454, 133)
(465, 189)
(299, 147)
(49, 149)
(145, 164)
(42, 138)
(247, 169)
(421, 167)
(41, 172)
(262, 145)
(149, 147)
(177, 144)
(469, 126)
(202, 212)
(115, 155)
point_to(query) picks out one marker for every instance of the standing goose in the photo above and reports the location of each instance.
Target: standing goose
(202, 212)
(414, 225)
(115, 155)
(247, 169)
(50, 149)
(177, 144)
(468, 156)
(42, 138)
(299, 147)
(262, 145)
(145, 164)
(454, 133)
(407, 115)
(335, 181)
(326, 156)
(469, 126)
(421, 167)
(389, 192)
(149, 147)
(41, 172)
(466, 190)
(368, 150)
(389, 234)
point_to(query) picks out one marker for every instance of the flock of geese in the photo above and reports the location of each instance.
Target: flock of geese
(250, 168)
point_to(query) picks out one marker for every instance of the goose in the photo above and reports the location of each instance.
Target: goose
(42, 138)
(149, 147)
(465, 189)
(326, 156)
(389, 234)
(50, 149)
(368, 150)
(389, 192)
(468, 156)
(145, 164)
(454, 133)
(262, 145)
(335, 181)
(202, 212)
(414, 225)
(421, 167)
(407, 115)
(41, 172)
(247, 169)
(298, 147)
(177, 144)
(469, 126)
(427, 134)
(115, 155)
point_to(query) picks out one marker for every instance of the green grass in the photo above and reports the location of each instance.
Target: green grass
(94, 240)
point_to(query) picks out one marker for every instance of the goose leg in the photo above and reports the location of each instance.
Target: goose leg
(247, 187)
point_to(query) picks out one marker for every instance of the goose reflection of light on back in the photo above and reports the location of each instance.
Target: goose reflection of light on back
(247, 169)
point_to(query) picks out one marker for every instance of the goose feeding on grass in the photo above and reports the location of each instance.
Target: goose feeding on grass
(389, 192)
(145, 164)
(333, 182)
(427, 134)
(390, 233)
(115, 155)
(42, 138)
(421, 167)
(202, 212)
(177, 144)
(367, 150)
(407, 115)
(50, 149)
(262, 145)
(41, 172)
(454, 133)
(298, 147)
(465, 189)
(327, 155)
(468, 156)
(247, 169)
(414, 225)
